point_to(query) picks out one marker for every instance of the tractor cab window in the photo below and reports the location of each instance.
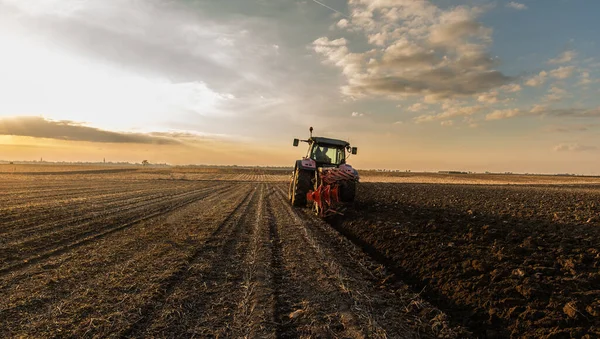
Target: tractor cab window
(328, 155)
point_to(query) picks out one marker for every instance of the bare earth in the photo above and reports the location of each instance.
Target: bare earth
(137, 252)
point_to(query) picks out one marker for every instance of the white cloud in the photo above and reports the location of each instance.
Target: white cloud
(512, 88)
(586, 79)
(536, 109)
(516, 5)
(447, 123)
(343, 23)
(566, 56)
(337, 53)
(488, 98)
(562, 72)
(417, 107)
(450, 111)
(555, 94)
(537, 80)
(417, 49)
(573, 147)
(357, 114)
(503, 114)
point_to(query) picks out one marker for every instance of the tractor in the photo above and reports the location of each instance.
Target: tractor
(322, 178)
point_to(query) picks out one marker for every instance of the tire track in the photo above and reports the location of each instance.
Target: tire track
(255, 307)
(283, 293)
(93, 236)
(310, 309)
(228, 230)
(382, 306)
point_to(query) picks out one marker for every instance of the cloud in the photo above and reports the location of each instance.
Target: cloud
(447, 123)
(417, 107)
(343, 23)
(573, 147)
(449, 111)
(537, 80)
(564, 57)
(516, 5)
(570, 128)
(567, 112)
(338, 54)
(543, 110)
(562, 72)
(585, 79)
(503, 114)
(357, 114)
(174, 41)
(488, 98)
(537, 109)
(38, 127)
(512, 88)
(416, 49)
(555, 94)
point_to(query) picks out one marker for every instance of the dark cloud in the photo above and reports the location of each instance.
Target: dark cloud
(39, 127)
(571, 128)
(440, 82)
(573, 112)
(574, 147)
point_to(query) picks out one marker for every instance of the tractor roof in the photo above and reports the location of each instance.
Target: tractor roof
(328, 141)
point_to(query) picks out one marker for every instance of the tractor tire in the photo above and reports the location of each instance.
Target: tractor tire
(291, 187)
(347, 191)
(300, 186)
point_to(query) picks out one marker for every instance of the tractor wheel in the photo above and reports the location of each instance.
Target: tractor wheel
(291, 187)
(347, 191)
(301, 186)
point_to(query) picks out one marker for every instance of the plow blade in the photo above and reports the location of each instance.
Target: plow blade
(326, 198)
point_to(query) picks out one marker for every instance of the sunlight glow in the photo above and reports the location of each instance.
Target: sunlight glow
(39, 80)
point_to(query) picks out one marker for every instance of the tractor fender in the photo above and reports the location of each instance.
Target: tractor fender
(349, 169)
(306, 164)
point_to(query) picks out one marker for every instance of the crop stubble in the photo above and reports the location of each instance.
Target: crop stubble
(184, 254)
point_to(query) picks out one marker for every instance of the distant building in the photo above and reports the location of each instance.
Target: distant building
(452, 172)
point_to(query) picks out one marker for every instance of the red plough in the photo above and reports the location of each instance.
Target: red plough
(326, 197)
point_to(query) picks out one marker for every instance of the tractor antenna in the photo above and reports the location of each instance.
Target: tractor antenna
(310, 130)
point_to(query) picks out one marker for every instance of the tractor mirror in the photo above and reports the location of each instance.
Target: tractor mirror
(296, 141)
(354, 150)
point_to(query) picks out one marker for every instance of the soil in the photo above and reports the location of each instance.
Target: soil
(502, 261)
(144, 254)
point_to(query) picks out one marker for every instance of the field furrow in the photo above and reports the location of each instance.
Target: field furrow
(214, 253)
(35, 249)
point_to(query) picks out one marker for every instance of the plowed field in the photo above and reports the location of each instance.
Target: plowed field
(160, 253)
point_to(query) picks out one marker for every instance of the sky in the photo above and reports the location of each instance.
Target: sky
(472, 85)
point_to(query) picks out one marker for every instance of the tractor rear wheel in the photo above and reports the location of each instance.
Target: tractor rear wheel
(347, 191)
(299, 187)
